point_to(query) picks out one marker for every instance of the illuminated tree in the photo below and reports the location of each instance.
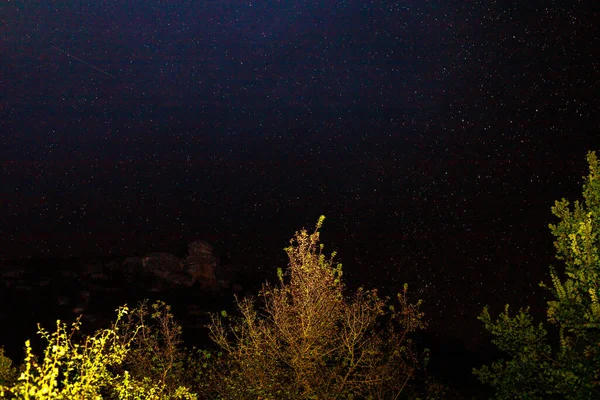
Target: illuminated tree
(570, 369)
(308, 340)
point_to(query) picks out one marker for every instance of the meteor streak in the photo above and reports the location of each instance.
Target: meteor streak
(86, 63)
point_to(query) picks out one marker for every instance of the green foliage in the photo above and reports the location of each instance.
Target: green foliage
(146, 389)
(571, 368)
(155, 350)
(86, 369)
(8, 373)
(68, 369)
(307, 340)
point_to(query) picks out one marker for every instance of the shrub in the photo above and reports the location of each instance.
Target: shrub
(86, 369)
(8, 373)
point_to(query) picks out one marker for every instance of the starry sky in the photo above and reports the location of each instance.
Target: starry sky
(433, 135)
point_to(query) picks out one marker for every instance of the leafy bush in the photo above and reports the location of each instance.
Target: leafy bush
(86, 369)
(155, 350)
(8, 373)
(569, 369)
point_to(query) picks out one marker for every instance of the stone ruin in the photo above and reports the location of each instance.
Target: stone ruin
(201, 264)
(199, 267)
(199, 247)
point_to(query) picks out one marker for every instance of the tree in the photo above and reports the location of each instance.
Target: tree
(571, 368)
(308, 340)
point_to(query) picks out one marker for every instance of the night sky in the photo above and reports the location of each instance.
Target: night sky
(433, 135)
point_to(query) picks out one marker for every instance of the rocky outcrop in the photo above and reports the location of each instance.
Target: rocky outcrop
(166, 267)
(133, 264)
